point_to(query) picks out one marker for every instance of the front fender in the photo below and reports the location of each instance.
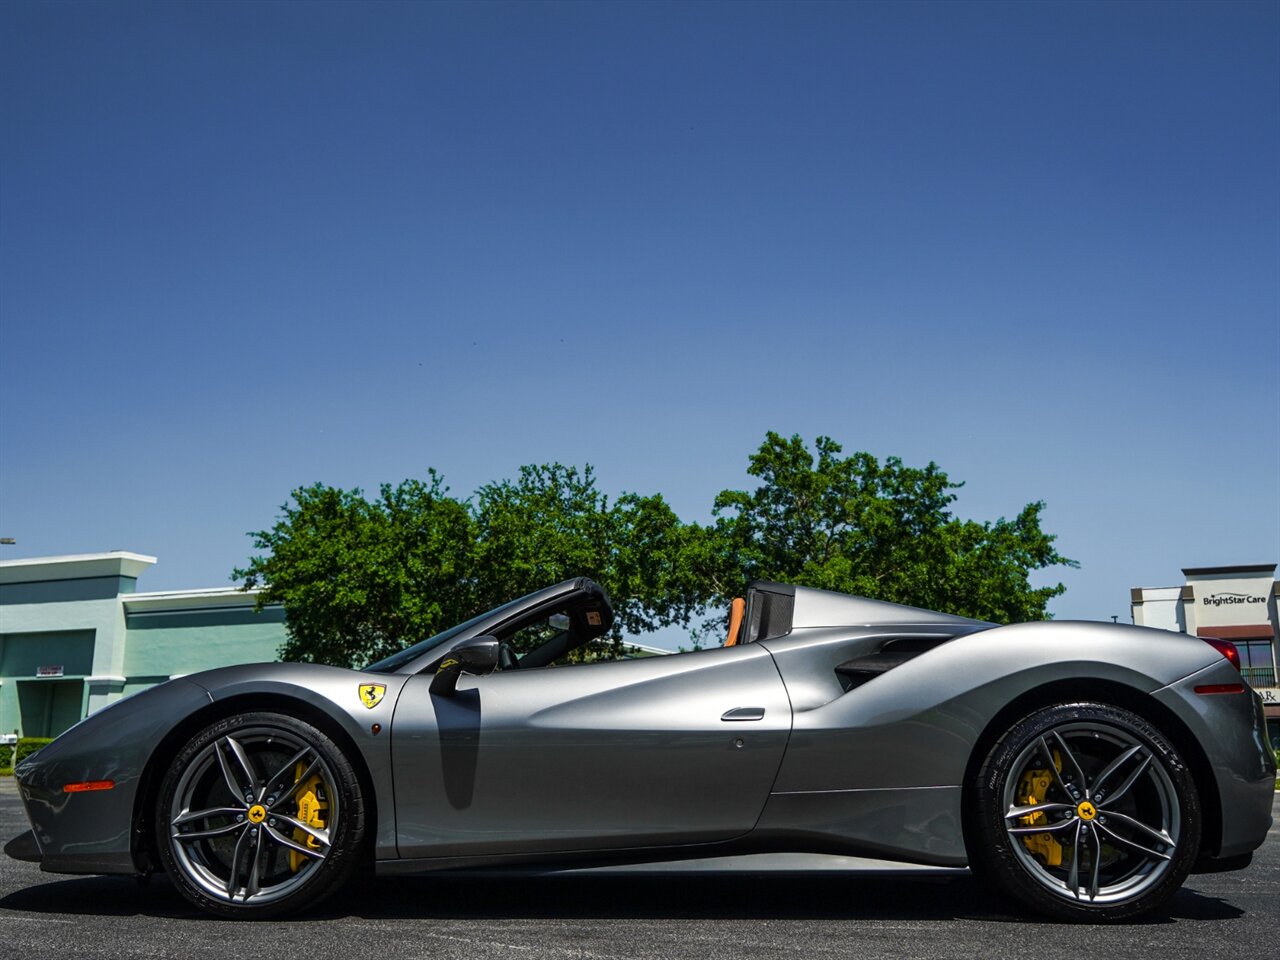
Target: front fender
(335, 693)
(91, 832)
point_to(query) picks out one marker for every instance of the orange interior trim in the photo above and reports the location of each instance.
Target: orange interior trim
(736, 610)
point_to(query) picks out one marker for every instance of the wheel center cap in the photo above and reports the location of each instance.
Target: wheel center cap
(1086, 811)
(257, 813)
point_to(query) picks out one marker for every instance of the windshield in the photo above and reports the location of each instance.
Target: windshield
(397, 660)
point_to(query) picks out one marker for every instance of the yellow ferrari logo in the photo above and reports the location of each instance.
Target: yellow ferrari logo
(371, 694)
(1087, 810)
(257, 813)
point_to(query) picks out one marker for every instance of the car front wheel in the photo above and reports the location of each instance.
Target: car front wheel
(1085, 811)
(259, 814)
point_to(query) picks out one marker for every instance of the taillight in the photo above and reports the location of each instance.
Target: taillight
(1226, 648)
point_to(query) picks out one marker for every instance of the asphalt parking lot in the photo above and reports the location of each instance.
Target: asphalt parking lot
(907, 915)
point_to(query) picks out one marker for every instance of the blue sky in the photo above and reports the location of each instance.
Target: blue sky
(245, 247)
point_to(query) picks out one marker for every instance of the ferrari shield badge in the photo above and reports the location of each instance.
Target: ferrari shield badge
(371, 694)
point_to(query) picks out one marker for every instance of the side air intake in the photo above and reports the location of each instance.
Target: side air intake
(854, 673)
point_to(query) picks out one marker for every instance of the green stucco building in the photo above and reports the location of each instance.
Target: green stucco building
(75, 634)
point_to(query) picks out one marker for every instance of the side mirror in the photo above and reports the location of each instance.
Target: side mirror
(477, 656)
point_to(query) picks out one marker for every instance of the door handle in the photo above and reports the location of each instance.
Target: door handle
(744, 713)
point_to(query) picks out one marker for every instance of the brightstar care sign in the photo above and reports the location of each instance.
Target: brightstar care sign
(1237, 602)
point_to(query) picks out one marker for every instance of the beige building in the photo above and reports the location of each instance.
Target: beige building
(1227, 603)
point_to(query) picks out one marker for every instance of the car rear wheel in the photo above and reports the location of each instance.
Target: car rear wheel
(260, 814)
(1085, 811)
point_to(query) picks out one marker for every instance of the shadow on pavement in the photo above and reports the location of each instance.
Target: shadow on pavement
(949, 897)
(1190, 905)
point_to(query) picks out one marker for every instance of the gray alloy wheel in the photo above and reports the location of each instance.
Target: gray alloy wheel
(1086, 811)
(258, 815)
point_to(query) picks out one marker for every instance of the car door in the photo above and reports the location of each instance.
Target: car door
(645, 752)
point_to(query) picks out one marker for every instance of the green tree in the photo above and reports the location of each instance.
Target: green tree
(359, 579)
(554, 523)
(882, 530)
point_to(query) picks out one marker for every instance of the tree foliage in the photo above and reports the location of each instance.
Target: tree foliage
(553, 523)
(882, 530)
(361, 578)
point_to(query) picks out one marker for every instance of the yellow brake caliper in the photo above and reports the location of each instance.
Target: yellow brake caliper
(1031, 790)
(311, 811)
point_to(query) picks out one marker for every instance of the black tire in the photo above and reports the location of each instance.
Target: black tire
(1108, 790)
(289, 836)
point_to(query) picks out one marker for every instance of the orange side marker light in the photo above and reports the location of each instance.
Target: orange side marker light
(87, 785)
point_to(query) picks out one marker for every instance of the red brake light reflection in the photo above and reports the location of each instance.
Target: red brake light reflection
(1226, 648)
(1220, 688)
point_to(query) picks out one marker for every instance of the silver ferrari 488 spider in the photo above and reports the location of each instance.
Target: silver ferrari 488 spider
(1085, 769)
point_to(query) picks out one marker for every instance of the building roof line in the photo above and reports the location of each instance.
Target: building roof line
(79, 558)
(76, 566)
(1240, 568)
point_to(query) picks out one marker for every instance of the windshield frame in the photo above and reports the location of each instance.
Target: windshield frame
(399, 659)
(419, 656)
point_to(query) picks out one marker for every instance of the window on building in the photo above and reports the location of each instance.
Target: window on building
(1256, 662)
